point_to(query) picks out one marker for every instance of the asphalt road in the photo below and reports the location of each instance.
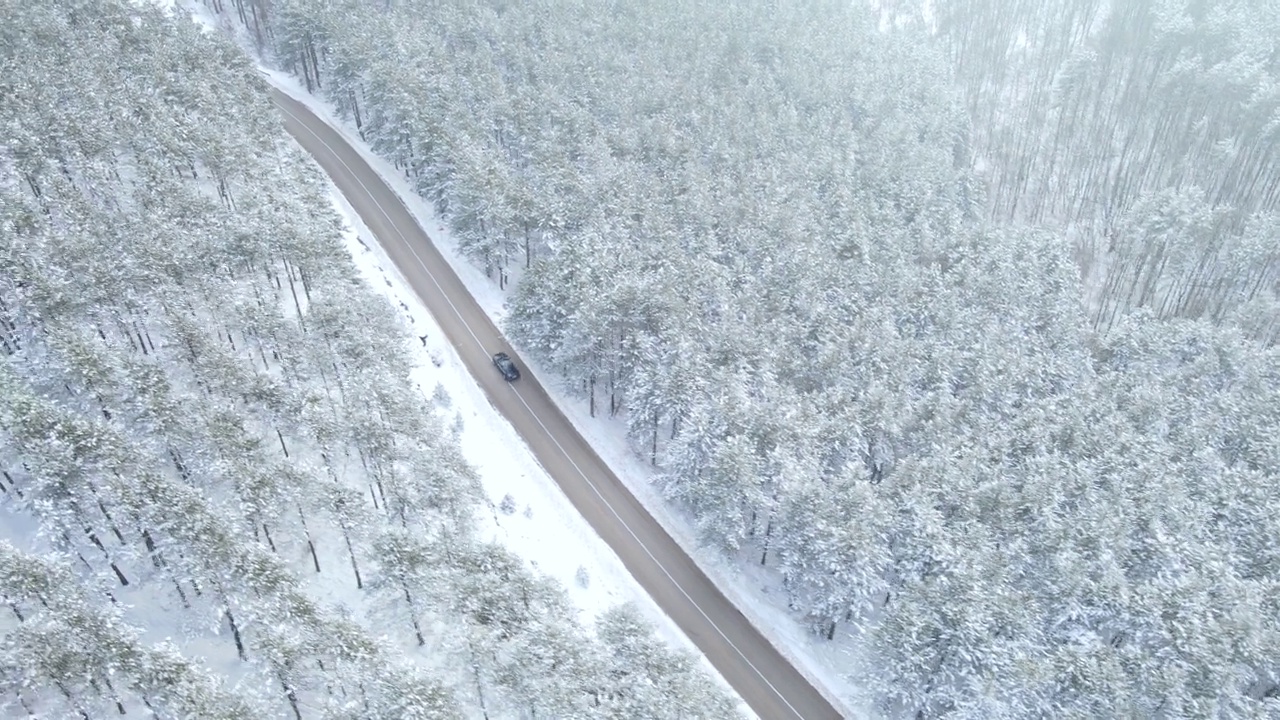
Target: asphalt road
(760, 674)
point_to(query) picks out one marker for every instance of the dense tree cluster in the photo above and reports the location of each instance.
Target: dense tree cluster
(1147, 129)
(208, 421)
(763, 231)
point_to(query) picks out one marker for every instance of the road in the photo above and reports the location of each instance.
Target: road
(769, 684)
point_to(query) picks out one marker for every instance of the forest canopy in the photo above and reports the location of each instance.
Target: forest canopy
(964, 322)
(222, 494)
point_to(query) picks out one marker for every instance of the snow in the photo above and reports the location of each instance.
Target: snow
(555, 527)
(756, 590)
(543, 527)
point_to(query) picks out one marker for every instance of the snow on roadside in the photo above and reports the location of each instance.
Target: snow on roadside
(756, 591)
(545, 528)
(530, 515)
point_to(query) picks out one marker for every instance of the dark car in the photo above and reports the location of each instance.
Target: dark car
(508, 369)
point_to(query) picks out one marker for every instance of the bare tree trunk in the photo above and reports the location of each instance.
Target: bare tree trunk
(310, 545)
(653, 451)
(235, 635)
(768, 531)
(355, 567)
(294, 291)
(290, 694)
(413, 614)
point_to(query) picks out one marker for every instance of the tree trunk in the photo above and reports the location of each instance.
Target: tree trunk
(290, 694)
(115, 697)
(355, 567)
(17, 611)
(294, 291)
(257, 27)
(306, 283)
(235, 635)
(315, 62)
(475, 670)
(355, 111)
(93, 538)
(653, 451)
(613, 397)
(9, 478)
(151, 548)
(413, 614)
(768, 531)
(310, 545)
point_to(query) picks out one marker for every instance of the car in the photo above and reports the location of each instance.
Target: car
(503, 362)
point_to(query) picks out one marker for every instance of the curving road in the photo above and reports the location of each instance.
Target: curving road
(760, 674)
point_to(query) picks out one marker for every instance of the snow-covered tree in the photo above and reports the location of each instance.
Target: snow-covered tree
(801, 262)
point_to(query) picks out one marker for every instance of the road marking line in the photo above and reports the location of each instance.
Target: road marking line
(655, 560)
(548, 432)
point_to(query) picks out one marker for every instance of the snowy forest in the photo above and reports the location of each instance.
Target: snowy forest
(962, 317)
(222, 495)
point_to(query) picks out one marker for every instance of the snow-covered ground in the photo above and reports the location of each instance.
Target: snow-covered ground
(530, 514)
(553, 535)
